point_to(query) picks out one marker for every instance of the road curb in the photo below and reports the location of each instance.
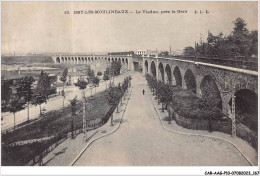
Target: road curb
(93, 140)
(201, 135)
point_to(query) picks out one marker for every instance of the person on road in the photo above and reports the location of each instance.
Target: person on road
(143, 91)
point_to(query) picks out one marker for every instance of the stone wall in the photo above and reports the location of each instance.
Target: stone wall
(224, 126)
(203, 124)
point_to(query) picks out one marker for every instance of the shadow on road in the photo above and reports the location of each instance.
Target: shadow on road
(118, 120)
(56, 154)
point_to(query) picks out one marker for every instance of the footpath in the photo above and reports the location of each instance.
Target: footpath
(68, 152)
(244, 149)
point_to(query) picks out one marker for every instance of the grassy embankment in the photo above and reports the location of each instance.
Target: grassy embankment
(52, 124)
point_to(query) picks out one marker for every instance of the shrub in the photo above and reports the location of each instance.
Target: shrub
(188, 105)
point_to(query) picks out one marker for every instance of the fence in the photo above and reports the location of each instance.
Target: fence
(37, 149)
(91, 125)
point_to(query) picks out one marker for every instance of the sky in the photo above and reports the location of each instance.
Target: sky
(43, 27)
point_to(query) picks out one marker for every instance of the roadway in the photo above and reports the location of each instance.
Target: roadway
(142, 141)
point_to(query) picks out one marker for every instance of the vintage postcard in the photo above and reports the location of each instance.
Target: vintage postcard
(125, 83)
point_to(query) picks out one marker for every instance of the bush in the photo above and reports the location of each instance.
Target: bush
(188, 105)
(196, 113)
(21, 155)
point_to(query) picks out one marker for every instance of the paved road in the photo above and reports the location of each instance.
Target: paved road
(53, 104)
(141, 141)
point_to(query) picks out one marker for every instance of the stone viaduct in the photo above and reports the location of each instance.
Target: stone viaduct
(222, 83)
(127, 61)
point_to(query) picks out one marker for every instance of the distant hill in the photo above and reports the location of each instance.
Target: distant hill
(25, 59)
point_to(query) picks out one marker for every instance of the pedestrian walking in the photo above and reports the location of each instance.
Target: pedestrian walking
(143, 91)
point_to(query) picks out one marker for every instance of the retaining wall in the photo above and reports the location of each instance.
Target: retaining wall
(201, 124)
(224, 126)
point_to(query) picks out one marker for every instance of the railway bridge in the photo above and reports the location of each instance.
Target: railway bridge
(126, 60)
(233, 88)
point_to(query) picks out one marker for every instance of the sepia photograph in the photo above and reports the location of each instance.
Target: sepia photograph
(120, 83)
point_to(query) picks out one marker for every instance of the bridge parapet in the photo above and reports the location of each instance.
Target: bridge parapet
(234, 69)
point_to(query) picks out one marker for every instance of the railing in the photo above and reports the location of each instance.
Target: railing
(237, 62)
(54, 141)
(59, 138)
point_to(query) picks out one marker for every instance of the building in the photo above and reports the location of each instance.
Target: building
(141, 52)
(146, 52)
(74, 74)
